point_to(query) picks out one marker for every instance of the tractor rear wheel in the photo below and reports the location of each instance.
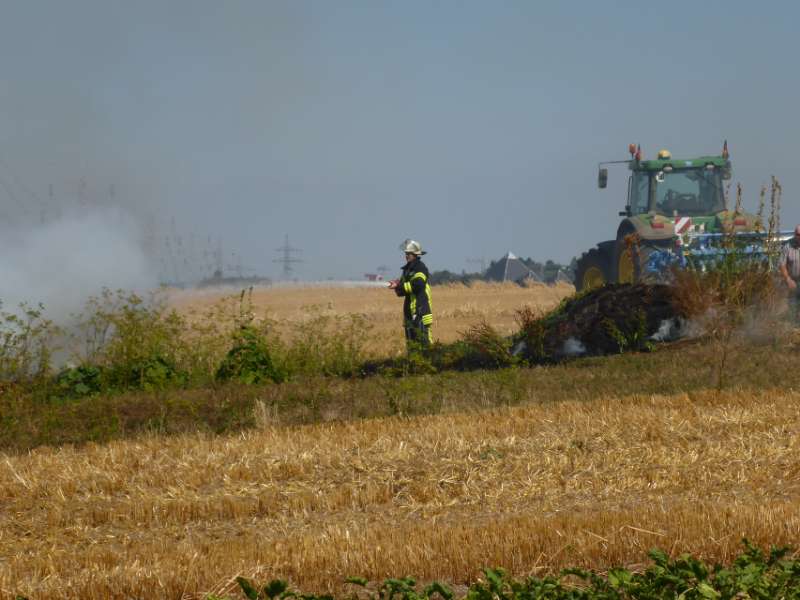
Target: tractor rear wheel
(630, 261)
(626, 258)
(592, 270)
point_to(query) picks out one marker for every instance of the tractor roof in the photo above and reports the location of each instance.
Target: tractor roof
(679, 163)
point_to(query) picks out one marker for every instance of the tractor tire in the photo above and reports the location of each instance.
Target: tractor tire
(592, 271)
(630, 260)
(624, 264)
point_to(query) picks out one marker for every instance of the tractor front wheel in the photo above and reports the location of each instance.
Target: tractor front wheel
(592, 270)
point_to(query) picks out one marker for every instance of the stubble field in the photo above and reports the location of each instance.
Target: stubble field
(533, 488)
(456, 307)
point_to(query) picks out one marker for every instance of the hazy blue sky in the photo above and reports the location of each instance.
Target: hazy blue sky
(474, 127)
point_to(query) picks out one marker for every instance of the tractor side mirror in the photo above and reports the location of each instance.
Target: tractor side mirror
(660, 177)
(602, 179)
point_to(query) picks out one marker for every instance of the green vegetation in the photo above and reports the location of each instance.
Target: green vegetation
(26, 344)
(249, 360)
(753, 574)
(140, 367)
(29, 418)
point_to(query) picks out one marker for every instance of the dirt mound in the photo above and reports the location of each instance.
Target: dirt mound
(606, 320)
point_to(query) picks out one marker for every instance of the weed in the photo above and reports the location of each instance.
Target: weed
(136, 343)
(249, 360)
(736, 295)
(480, 347)
(533, 331)
(27, 344)
(616, 334)
(326, 344)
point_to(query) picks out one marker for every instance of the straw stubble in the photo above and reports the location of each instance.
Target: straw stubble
(532, 489)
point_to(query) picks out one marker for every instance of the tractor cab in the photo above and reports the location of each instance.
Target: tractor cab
(670, 187)
(668, 199)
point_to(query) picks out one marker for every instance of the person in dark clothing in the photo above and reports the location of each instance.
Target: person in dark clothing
(415, 288)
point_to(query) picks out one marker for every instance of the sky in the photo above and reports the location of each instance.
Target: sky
(472, 127)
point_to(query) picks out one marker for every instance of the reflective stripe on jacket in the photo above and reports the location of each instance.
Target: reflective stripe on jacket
(415, 287)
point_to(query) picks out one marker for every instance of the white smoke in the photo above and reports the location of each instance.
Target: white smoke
(573, 347)
(666, 331)
(519, 348)
(63, 262)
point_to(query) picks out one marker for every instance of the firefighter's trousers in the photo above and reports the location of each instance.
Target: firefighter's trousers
(417, 333)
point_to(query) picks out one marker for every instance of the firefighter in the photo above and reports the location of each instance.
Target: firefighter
(415, 288)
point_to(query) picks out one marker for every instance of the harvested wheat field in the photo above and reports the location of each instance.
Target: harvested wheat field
(456, 307)
(532, 489)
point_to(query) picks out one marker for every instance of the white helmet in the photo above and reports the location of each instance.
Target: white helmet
(412, 247)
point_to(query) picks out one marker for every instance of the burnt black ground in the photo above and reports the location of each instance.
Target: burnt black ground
(606, 320)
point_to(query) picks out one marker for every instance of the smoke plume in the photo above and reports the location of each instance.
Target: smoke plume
(63, 262)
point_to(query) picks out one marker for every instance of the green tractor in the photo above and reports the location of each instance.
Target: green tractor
(675, 211)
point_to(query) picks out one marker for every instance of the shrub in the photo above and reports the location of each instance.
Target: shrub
(153, 372)
(480, 347)
(249, 360)
(135, 342)
(325, 345)
(27, 343)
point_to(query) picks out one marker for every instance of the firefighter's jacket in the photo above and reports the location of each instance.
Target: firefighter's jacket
(415, 287)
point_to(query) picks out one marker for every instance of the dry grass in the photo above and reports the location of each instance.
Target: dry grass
(456, 307)
(531, 489)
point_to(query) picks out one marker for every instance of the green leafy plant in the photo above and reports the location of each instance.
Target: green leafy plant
(75, 382)
(136, 342)
(249, 360)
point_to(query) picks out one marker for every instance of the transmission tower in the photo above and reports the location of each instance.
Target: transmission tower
(287, 258)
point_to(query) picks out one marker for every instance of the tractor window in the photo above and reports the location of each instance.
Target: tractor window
(689, 192)
(640, 183)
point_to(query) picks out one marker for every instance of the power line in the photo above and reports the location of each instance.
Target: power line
(287, 259)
